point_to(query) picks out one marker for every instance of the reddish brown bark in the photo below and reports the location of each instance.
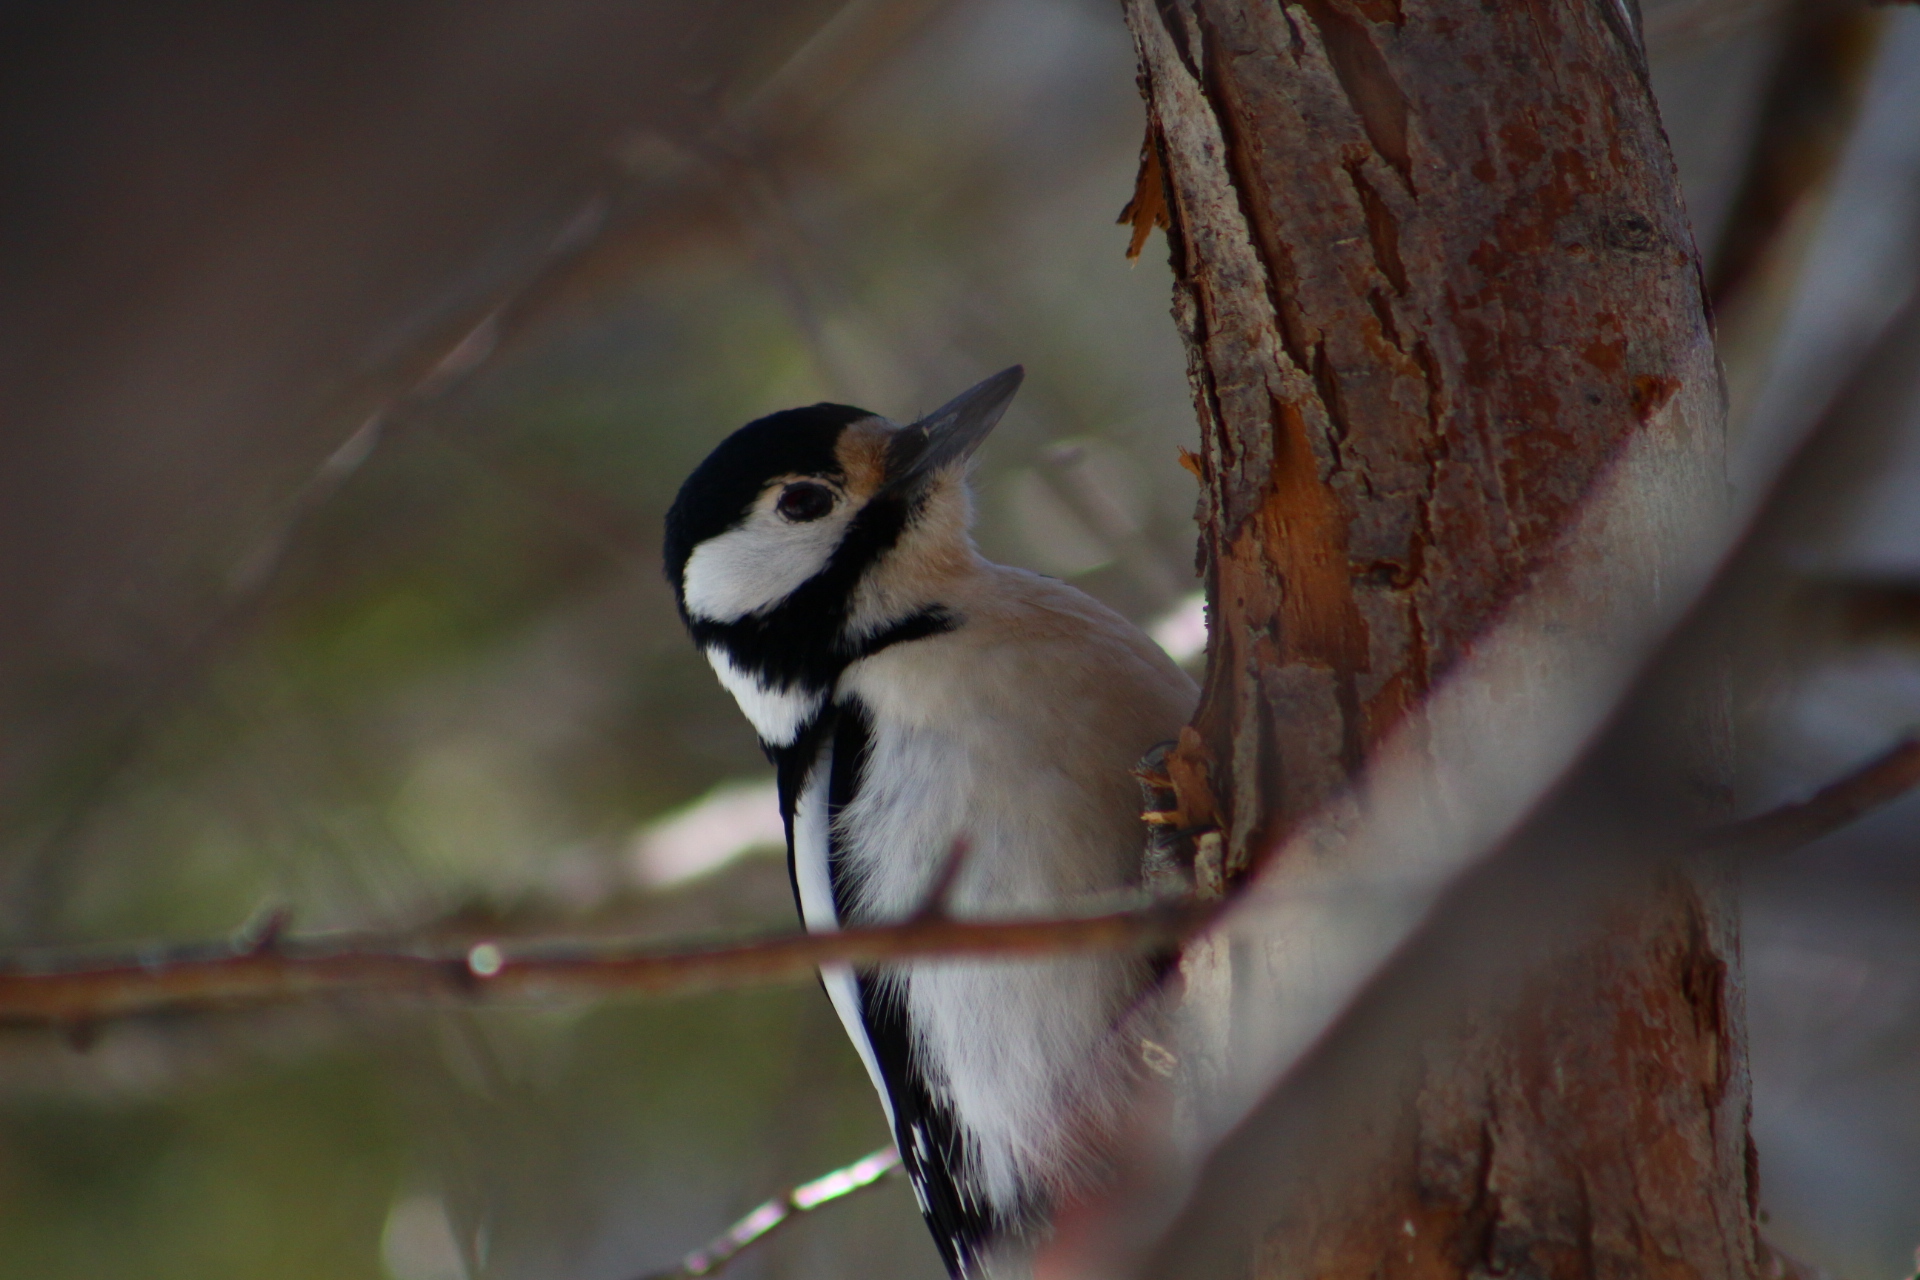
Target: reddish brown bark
(1435, 278)
(1593, 1128)
(1460, 278)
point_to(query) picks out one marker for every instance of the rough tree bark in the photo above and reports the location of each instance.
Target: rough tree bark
(1435, 279)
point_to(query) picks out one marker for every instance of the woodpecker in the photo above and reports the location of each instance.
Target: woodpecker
(941, 727)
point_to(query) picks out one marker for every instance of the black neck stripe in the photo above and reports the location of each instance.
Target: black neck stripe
(801, 642)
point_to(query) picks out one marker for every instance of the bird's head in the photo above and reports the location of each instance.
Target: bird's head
(810, 527)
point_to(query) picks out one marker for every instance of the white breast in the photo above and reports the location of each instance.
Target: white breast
(1018, 1049)
(1020, 740)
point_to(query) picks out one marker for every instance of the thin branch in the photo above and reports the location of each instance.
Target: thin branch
(81, 990)
(714, 1256)
(935, 903)
(1805, 118)
(1885, 778)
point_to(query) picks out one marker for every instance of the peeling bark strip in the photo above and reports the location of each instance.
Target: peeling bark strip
(1434, 279)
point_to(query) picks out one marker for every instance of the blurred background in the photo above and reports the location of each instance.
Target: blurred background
(349, 357)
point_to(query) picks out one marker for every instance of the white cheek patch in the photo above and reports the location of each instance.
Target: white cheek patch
(777, 714)
(757, 565)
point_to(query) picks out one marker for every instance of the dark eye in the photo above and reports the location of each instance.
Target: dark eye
(802, 502)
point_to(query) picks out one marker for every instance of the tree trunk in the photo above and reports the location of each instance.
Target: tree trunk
(1434, 278)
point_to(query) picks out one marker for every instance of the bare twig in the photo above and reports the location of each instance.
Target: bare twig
(79, 990)
(1886, 777)
(714, 1256)
(1805, 119)
(939, 895)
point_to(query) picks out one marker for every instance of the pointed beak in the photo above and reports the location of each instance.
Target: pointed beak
(951, 433)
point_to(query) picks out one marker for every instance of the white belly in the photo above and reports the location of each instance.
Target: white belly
(1022, 1051)
(1016, 733)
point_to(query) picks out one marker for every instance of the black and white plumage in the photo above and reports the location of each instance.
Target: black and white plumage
(911, 695)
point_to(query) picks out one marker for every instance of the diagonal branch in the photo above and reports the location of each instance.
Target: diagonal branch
(84, 989)
(1885, 778)
(714, 1256)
